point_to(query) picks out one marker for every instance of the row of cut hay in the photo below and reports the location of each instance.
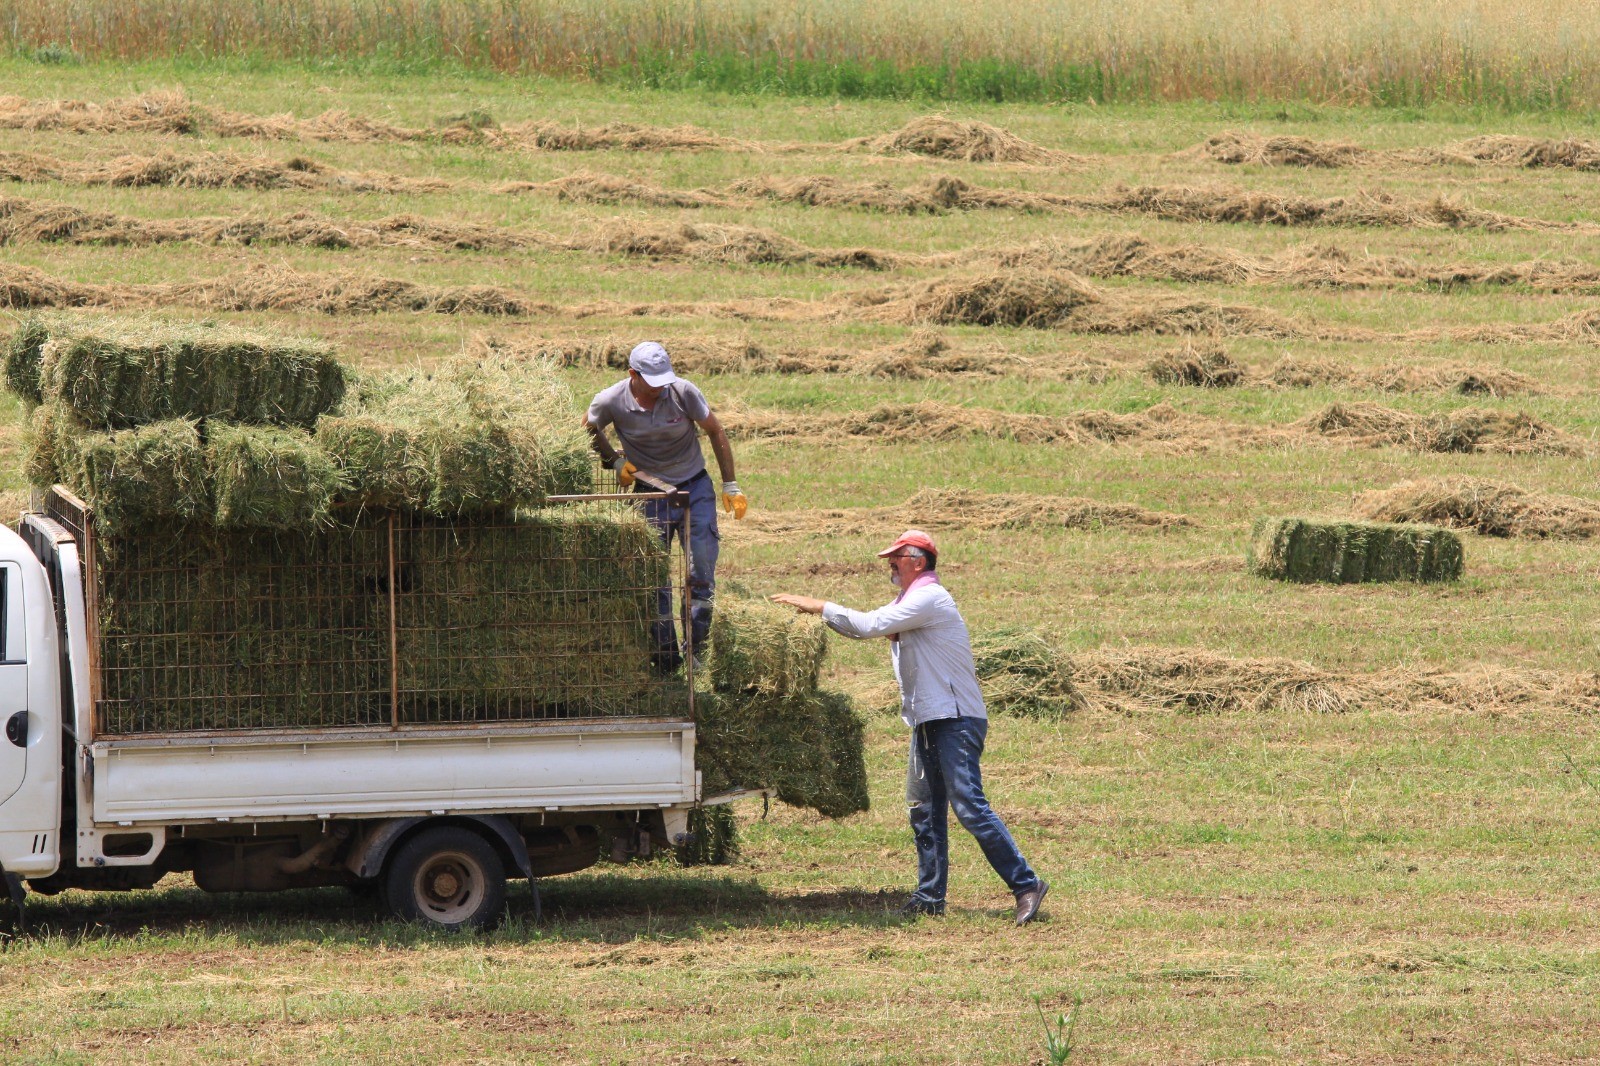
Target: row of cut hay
(547, 616)
(1468, 429)
(1021, 672)
(171, 112)
(1291, 372)
(947, 508)
(209, 170)
(117, 374)
(1233, 147)
(1344, 552)
(1206, 365)
(1491, 508)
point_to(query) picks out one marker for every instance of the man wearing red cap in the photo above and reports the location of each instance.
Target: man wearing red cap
(655, 414)
(941, 702)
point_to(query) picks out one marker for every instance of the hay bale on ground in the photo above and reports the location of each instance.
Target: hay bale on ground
(1022, 673)
(131, 477)
(266, 477)
(760, 647)
(1491, 508)
(713, 837)
(808, 746)
(1306, 550)
(1205, 365)
(120, 374)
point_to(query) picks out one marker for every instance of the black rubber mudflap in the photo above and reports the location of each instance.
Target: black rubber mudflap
(13, 909)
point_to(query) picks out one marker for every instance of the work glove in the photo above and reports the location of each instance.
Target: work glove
(624, 471)
(733, 499)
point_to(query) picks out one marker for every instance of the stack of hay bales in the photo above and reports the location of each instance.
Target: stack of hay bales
(766, 723)
(1302, 549)
(243, 487)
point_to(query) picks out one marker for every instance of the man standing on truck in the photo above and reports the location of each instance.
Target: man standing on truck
(655, 414)
(941, 702)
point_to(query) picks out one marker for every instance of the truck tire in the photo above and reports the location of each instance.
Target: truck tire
(448, 878)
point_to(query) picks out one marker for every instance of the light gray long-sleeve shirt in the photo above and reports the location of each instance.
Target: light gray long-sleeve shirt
(932, 658)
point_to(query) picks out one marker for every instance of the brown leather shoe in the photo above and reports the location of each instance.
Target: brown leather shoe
(1028, 901)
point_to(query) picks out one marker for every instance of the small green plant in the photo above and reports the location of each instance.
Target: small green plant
(55, 54)
(1059, 1032)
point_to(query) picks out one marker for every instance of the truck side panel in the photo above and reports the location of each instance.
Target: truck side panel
(604, 765)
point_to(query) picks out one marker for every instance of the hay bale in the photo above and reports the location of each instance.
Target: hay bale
(266, 477)
(131, 477)
(1491, 508)
(1204, 365)
(808, 746)
(119, 374)
(1306, 550)
(24, 352)
(479, 436)
(759, 647)
(713, 837)
(1022, 673)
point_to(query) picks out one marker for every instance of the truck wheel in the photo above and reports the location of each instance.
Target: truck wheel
(449, 878)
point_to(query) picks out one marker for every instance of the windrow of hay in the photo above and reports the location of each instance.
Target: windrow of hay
(1344, 552)
(1296, 373)
(1468, 429)
(958, 508)
(1492, 508)
(1205, 365)
(1021, 672)
(973, 142)
(1233, 147)
(208, 170)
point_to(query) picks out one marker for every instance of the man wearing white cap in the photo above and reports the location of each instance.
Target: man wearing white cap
(941, 702)
(655, 414)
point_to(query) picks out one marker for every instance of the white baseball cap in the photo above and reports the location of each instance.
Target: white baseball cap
(650, 359)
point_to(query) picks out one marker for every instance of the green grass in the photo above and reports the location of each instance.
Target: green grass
(1398, 884)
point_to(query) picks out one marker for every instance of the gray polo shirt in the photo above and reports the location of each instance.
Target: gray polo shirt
(663, 441)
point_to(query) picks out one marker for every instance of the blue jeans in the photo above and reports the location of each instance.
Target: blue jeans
(704, 543)
(944, 773)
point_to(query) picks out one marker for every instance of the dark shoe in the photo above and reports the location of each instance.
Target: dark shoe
(917, 907)
(1028, 901)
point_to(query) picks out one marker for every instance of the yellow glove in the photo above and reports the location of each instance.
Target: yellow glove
(624, 471)
(733, 500)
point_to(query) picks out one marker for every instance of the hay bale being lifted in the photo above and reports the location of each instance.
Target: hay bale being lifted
(765, 649)
(1307, 550)
(808, 746)
(118, 374)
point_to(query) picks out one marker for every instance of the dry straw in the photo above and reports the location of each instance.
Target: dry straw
(1021, 672)
(765, 649)
(1491, 508)
(1342, 552)
(973, 142)
(1469, 429)
(1204, 365)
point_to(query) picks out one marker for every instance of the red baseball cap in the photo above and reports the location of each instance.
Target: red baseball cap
(911, 538)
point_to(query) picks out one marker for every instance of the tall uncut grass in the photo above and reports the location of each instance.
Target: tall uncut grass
(1498, 53)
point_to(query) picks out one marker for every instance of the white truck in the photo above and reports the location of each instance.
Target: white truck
(436, 817)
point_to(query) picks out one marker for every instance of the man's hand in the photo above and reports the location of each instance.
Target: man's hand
(733, 499)
(625, 471)
(803, 604)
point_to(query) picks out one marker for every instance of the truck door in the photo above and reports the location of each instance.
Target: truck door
(14, 718)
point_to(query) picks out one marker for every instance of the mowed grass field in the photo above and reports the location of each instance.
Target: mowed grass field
(1235, 877)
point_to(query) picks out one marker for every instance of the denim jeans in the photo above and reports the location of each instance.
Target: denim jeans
(944, 773)
(704, 543)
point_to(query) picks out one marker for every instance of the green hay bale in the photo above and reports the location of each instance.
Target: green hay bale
(24, 352)
(549, 613)
(117, 374)
(808, 746)
(477, 437)
(760, 647)
(130, 477)
(1299, 549)
(42, 445)
(1022, 673)
(714, 838)
(265, 477)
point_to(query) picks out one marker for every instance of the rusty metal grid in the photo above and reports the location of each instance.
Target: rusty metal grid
(393, 622)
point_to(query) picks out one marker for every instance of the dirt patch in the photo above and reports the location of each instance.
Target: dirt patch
(974, 142)
(1492, 508)
(1470, 429)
